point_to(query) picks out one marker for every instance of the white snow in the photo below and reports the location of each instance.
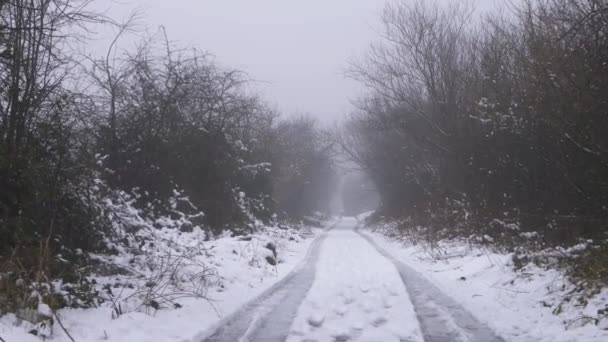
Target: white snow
(45, 310)
(514, 304)
(242, 273)
(357, 295)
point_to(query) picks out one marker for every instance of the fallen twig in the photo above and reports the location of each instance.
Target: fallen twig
(62, 326)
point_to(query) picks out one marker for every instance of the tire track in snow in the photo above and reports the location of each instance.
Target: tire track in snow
(268, 317)
(357, 295)
(441, 318)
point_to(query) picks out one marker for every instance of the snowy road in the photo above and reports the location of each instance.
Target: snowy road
(349, 289)
(440, 317)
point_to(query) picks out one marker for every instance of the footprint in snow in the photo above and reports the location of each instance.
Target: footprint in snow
(341, 311)
(386, 303)
(378, 322)
(316, 320)
(368, 309)
(349, 300)
(342, 338)
(358, 326)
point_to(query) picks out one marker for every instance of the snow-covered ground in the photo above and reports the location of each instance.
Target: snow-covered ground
(347, 285)
(357, 295)
(351, 290)
(516, 305)
(238, 271)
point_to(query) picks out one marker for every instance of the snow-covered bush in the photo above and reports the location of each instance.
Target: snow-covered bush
(494, 135)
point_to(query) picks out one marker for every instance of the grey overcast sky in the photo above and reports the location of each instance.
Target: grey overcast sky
(296, 49)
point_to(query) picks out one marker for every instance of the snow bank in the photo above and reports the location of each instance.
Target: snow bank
(518, 305)
(161, 282)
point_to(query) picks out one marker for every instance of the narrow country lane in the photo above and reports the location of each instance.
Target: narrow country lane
(357, 295)
(349, 289)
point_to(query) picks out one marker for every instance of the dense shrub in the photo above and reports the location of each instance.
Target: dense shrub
(159, 134)
(490, 127)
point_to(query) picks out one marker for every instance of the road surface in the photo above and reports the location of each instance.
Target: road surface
(349, 289)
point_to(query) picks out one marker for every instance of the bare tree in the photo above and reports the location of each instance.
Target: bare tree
(477, 127)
